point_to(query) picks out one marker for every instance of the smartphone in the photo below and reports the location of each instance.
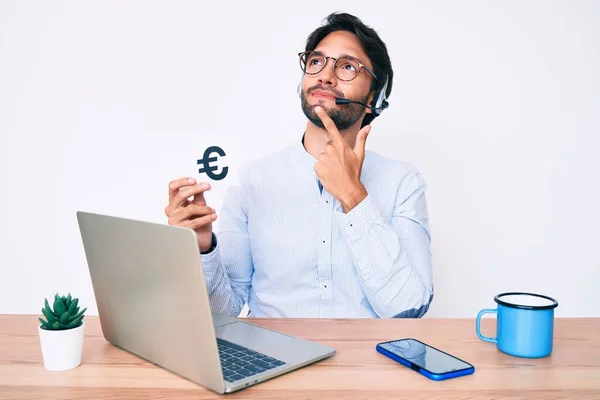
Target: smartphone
(424, 359)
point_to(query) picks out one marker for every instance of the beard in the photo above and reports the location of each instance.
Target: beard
(343, 117)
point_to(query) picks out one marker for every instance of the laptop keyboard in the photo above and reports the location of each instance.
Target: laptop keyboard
(239, 362)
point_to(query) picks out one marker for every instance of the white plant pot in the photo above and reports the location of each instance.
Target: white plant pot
(61, 350)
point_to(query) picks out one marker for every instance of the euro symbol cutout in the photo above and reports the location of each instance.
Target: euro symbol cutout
(207, 159)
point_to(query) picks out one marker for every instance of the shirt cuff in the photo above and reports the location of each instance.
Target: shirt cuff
(359, 220)
(211, 260)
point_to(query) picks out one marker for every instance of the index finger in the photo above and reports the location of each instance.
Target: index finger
(336, 137)
(177, 184)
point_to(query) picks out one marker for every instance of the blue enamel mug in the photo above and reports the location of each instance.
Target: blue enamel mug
(524, 326)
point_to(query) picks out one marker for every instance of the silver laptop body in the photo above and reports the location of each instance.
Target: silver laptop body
(152, 301)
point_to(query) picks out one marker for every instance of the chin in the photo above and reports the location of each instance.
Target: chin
(326, 104)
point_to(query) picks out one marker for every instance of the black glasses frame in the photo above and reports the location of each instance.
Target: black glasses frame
(335, 60)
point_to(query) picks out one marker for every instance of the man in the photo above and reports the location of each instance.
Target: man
(323, 227)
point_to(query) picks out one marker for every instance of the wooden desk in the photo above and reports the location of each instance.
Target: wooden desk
(357, 371)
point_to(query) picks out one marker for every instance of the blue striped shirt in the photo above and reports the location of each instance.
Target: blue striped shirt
(287, 249)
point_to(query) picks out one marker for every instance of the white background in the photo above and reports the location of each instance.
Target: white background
(496, 103)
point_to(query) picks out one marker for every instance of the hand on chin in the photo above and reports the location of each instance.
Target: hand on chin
(326, 103)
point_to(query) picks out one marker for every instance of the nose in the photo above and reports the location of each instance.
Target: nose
(327, 75)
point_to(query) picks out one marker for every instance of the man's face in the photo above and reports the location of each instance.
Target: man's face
(322, 88)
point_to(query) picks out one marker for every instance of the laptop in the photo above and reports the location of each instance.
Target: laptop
(152, 301)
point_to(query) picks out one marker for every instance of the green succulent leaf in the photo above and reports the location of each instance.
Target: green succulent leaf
(64, 318)
(56, 297)
(59, 308)
(45, 325)
(69, 300)
(74, 317)
(49, 309)
(49, 316)
(47, 306)
(56, 325)
(72, 308)
(74, 324)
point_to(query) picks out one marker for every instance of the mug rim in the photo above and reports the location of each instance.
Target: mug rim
(498, 300)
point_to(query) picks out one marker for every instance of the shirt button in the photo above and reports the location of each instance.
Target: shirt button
(350, 224)
(323, 241)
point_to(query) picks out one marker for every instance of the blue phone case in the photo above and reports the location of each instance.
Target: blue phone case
(422, 371)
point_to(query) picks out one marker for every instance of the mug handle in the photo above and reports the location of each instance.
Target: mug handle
(478, 327)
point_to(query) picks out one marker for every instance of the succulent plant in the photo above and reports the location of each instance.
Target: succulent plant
(65, 315)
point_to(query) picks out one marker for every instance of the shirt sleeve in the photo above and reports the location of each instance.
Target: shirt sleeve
(228, 268)
(393, 258)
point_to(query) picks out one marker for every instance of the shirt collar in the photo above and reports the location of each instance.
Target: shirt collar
(305, 156)
(306, 160)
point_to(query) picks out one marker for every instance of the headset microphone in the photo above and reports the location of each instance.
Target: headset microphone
(347, 101)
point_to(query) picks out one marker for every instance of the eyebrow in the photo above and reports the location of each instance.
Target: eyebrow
(345, 55)
(349, 55)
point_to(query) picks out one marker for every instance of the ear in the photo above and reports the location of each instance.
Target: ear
(369, 101)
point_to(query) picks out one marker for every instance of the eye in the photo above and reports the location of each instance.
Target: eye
(348, 66)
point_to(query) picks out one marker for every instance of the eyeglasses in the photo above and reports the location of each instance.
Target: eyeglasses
(345, 68)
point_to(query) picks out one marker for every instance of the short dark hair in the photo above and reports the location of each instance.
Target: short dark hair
(371, 43)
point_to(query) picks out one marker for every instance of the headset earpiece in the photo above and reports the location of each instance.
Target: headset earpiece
(379, 100)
